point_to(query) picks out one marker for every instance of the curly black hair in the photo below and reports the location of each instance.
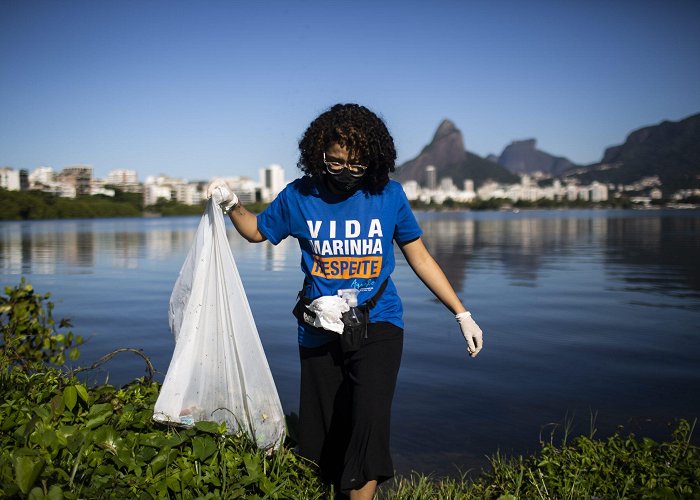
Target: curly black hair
(359, 130)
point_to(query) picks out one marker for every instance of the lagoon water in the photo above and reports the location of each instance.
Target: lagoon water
(587, 313)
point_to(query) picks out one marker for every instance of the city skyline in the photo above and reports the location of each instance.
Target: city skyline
(224, 89)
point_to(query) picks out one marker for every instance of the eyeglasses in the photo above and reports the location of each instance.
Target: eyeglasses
(336, 167)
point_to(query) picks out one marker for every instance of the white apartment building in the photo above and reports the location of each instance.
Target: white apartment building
(153, 192)
(41, 176)
(160, 186)
(9, 178)
(98, 187)
(527, 190)
(272, 182)
(571, 192)
(412, 190)
(63, 184)
(172, 189)
(121, 176)
(189, 194)
(598, 191)
(244, 187)
(124, 180)
(62, 189)
(430, 177)
(446, 184)
(79, 176)
(490, 189)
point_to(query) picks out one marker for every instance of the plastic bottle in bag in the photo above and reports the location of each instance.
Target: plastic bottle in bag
(350, 317)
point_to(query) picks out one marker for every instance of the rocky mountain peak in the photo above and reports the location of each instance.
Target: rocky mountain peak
(446, 152)
(530, 144)
(523, 157)
(445, 128)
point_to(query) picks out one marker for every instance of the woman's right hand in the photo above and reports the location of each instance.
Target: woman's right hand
(219, 191)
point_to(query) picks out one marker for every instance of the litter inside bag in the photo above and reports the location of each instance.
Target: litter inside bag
(218, 371)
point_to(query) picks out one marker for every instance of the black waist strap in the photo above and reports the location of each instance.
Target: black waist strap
(369, 304)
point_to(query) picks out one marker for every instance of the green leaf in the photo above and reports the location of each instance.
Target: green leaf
(108, 439)
(173, 482)
(70, 397)
(57, 405)
(210, 427)
(146, 453)
(82, 392)
(98, 414)
(36, 494)
(203, 447)
(252, 466)
(161, 460)
(55, 493)
(97, 420)
(160, 441)
(27, 470)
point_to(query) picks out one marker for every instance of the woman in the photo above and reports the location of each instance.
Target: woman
(346, 214)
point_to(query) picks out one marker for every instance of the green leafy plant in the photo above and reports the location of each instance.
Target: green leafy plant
(58, 436)
(31, 337)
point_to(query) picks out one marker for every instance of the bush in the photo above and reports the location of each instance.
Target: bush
(31, 337)
(34, 205)
(61, 439)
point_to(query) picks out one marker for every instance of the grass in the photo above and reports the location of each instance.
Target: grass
(621, 466)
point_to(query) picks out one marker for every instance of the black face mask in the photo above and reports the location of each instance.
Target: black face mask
(344, 181)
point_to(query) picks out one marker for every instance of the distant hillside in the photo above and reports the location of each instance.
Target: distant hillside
(447, 154)
(523, 157)
(670, 150)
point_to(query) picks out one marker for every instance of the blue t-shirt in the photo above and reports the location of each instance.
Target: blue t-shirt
(346, 242)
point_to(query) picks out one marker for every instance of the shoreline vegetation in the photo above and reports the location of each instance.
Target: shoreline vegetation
(36, 205)
(63, 435)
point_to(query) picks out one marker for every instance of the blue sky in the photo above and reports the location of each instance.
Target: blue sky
(213, 88)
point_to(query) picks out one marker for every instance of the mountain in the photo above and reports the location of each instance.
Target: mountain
(670, 150)
(523, 157)
(446, 152)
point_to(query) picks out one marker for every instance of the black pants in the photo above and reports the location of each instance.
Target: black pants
(345, 407)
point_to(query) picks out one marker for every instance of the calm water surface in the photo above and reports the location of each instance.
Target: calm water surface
(584, 313)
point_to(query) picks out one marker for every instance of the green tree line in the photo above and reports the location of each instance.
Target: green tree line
(36, 205)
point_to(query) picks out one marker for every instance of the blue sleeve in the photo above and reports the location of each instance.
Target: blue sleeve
(407, 228)
(273, 222)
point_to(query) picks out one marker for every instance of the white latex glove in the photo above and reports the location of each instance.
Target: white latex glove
(471, 332)
(219, 191)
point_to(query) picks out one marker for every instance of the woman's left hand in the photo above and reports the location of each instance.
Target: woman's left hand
(471, 332)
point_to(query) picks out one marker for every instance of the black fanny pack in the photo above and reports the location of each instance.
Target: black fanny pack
(355, 320)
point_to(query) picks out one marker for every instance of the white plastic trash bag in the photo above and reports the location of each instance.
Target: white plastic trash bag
(218, 371)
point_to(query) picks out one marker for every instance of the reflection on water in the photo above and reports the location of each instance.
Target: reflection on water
(522, 245)
(38, 248)
(582, 311)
